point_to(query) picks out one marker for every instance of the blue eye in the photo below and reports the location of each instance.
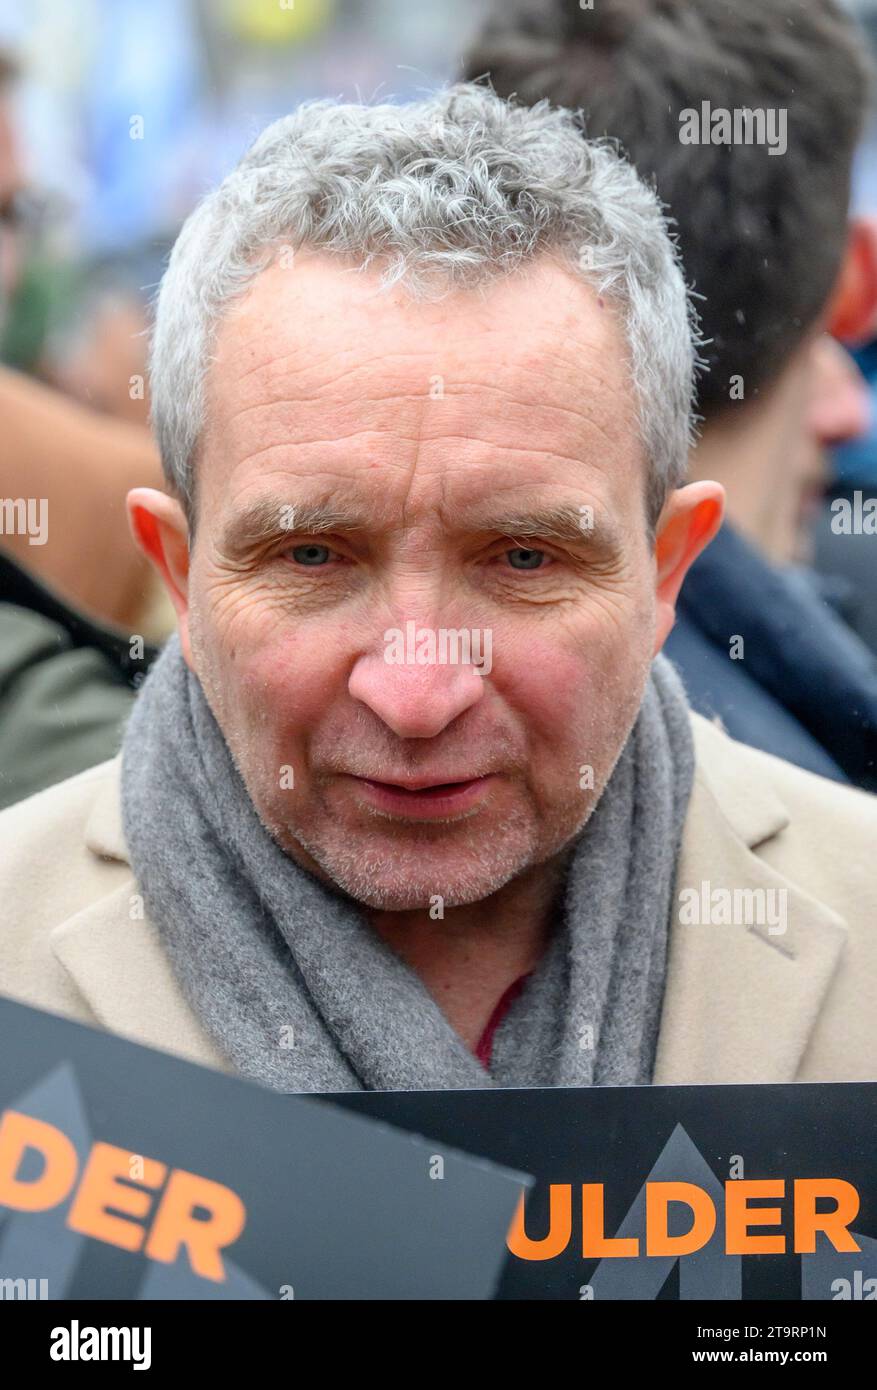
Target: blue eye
(311, 554)
(521, 559)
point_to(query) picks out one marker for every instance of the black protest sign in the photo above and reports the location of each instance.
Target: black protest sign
(673, 1192)
(127, 1173)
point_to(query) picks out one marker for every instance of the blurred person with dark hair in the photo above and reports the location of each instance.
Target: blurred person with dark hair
(71, 581)
(767, 245)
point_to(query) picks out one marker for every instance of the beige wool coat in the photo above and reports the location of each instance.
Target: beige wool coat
(744, 1002)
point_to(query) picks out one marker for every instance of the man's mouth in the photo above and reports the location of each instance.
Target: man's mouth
(424, 798)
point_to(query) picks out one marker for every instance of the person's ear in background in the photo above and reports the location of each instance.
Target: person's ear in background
(852, 310)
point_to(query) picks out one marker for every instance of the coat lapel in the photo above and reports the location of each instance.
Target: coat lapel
(741, 1001)
(113, 954)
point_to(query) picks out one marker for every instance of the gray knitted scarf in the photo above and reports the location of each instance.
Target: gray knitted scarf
(300, 993)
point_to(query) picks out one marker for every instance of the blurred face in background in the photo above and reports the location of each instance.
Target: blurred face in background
(11, 184)
(840, 402)
(108, 352)
(772, 454)
(835, 409)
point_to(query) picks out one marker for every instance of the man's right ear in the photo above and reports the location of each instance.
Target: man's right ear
(159, 527)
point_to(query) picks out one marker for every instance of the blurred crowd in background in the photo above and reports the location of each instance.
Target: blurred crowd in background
(116, 116)
(127, 113)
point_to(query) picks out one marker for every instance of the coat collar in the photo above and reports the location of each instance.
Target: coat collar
(113, 954)
(740, 1004)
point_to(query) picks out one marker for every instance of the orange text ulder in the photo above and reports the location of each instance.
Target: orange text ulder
(739, 1217)
(105, 1189)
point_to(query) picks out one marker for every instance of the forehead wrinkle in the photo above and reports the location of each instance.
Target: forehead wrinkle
(288, 445)
(535, 383)
(577, 420)
(477, 466)
(538, 373)
(319, 406)
(274, 365)
(589, 423)
(575, 333)
(478, 456)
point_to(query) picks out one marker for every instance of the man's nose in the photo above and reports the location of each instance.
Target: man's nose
(415, 699)
(840, 403)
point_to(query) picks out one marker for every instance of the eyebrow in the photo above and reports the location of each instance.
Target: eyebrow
(560, 522)
(269, 519)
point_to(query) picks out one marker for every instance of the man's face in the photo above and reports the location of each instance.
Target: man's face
(833, 408)
(480, 462)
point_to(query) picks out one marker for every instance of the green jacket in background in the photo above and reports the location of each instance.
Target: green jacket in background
(66, 687)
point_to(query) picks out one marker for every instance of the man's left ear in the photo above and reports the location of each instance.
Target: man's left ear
(852, 309)
(691, 517)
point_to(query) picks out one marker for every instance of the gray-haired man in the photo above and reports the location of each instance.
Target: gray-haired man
(428, 370)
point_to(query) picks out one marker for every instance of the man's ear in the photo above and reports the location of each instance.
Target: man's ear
(158, 525)
(852, 309)
(691, 517)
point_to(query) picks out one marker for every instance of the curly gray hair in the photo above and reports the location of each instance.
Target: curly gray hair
(441, 193)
